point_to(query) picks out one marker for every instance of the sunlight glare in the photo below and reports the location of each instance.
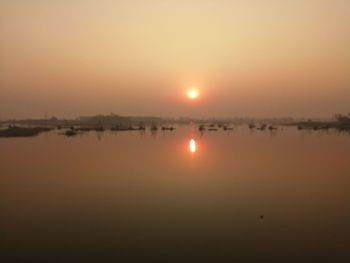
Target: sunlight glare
(193, 93)
(192, 146)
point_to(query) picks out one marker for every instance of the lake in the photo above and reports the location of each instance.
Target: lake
(181, 196)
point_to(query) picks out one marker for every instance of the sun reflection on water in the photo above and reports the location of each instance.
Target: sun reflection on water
(192, 146)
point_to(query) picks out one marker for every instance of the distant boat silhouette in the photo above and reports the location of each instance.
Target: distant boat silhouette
(130, 128)
(262, 127)
(71, 132)
(201, 128)
(154, 128)
(164, 128)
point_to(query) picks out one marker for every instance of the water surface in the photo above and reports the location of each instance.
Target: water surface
(176, 196)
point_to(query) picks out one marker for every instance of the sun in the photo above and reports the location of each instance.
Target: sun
(193, 93)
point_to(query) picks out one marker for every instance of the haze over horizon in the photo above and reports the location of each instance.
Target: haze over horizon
(247, 58)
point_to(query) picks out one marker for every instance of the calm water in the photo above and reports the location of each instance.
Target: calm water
(176, 197)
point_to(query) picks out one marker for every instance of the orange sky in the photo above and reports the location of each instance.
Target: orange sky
(137, 57)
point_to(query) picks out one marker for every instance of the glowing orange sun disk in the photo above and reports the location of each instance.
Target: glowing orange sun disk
(193, 93)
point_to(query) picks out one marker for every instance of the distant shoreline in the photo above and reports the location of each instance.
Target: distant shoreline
(100, 123)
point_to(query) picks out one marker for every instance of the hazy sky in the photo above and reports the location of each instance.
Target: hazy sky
(137, 57)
